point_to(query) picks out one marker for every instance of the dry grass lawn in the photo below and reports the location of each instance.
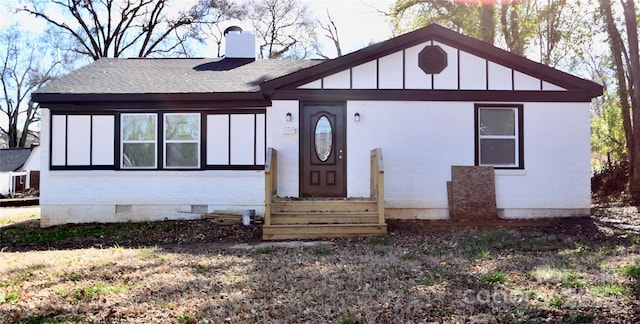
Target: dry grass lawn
(576, 271)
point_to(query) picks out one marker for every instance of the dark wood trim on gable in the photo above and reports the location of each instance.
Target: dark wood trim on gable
(377, 73)
(442, 35)
(458, 62)
(486, 75)
(431, 95)
(404, 69)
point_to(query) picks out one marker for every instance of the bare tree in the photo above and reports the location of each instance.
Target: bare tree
(284, 28)
(114, 28)
(331, 32)
(209, 27)
(25, 67)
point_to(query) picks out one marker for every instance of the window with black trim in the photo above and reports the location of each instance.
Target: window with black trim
(139, 141)
(181, 141)
(499, 140)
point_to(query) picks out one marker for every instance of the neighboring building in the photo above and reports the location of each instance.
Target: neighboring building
(147, 139)
(19, 169)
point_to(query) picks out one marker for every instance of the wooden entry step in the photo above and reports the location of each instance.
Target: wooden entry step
(328, 217)
(324, 205)
(288, 218)
(315, 231)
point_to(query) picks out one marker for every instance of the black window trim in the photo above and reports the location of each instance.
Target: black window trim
(520, 139)
(159, 166)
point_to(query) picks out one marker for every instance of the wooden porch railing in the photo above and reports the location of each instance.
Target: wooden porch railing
(377, 182)
(270, 182)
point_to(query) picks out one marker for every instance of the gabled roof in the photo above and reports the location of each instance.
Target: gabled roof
(240, 81)
(116, 79)
(13, 159)
(445, 36)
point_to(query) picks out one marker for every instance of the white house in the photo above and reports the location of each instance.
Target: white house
(19, 169)
(151, 139)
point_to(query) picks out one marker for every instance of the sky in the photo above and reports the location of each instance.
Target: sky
(359, 22)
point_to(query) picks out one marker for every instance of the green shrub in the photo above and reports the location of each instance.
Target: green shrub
(493, 277)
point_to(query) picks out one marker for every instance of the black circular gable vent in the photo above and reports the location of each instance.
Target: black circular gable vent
(432, 59)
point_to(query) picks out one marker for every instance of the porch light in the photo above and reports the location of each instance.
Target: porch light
(356, 117)
(288, 117)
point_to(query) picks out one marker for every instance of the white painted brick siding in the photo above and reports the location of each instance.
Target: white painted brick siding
(88, 196)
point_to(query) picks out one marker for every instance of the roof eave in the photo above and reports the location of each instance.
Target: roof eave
(57, 98)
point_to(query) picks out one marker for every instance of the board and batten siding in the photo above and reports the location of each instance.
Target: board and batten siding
(231, 141)
(420, 141)
(83, 183)
(400, 70)
(82, 140)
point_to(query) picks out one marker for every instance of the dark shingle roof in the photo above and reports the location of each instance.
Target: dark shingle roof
(134, 76)
(13, 159)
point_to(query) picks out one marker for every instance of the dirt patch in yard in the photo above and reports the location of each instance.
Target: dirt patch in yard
(27, 235)
(570, 270)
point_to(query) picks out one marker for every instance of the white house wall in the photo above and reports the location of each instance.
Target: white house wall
(70, 196)
(33, 161)
(102, 147)
(218, 151)
(283, 135)
(5, 182)
(79, 140)
(556, 177)
(58, 140)
(420, 141)
(415, 78)
(242, 139)
(400, 70)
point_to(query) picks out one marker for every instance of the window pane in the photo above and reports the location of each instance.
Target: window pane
(323, 138)
(139, 155)
(138, 127)
(497, 122)
(182, 155)
(182, 127)
(498, 151)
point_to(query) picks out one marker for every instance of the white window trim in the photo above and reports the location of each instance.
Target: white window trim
(165, 141)
(123, 142)
(514, 137)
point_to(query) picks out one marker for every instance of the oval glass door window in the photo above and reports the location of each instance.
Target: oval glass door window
(323, 138)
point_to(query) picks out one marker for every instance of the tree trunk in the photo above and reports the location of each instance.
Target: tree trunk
(634, 87)
(488, 23)
(617, 49)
